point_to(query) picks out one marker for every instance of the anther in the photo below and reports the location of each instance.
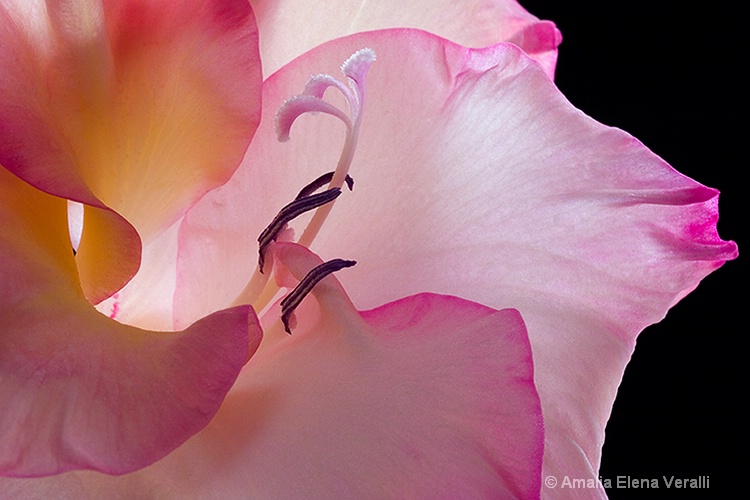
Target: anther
(288, 213)
(293, 300)
(320, 182)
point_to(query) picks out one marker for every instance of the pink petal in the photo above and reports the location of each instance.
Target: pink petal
(421, 398)
(78, 389)
(476, 178)
(134, 108)
(146, 301)
(289, 28)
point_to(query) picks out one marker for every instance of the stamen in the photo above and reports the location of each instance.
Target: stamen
(320, 182)
(293, 300)
(288, 213)
(259, 291)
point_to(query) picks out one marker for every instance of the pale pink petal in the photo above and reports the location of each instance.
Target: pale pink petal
(476, 178)
(79, 390)
(427, 397)
(135, 109)
(147, 300)
(288, 28)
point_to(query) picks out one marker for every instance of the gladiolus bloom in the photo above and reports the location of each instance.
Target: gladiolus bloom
(509, 250)
(135, 110)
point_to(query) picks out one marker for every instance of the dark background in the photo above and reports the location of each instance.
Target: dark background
(670, 73)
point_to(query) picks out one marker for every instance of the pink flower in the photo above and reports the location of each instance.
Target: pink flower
(135, 109)
(511, 248)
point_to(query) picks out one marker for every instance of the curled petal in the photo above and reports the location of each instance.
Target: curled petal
(426, 396)
(79, 390)
(135, 109)
(476, 178)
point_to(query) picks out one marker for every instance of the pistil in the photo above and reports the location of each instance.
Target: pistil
(260, 291)
(311, 100)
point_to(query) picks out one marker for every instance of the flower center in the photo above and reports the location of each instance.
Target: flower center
(260, 291)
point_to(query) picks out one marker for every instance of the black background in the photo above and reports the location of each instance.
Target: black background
(670, 73)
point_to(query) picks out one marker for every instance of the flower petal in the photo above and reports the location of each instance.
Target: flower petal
(423, 397)
(133, 107)
(78, 389)
(146, 301)
(477, 23)
(486, 184)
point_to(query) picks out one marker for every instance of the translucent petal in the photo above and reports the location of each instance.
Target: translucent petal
(426, 396)
(78, 389)
(135, 109)
(473, 23)
(476, 178)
